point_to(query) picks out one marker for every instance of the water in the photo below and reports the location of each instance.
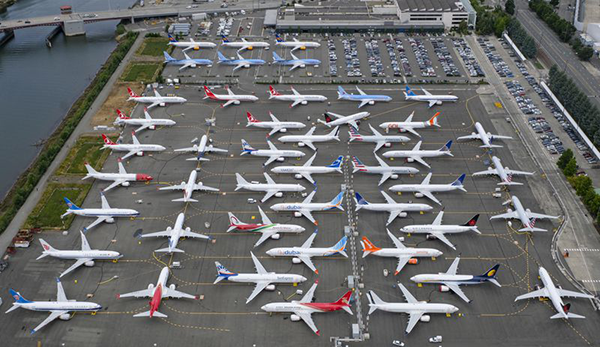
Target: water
(38, 85)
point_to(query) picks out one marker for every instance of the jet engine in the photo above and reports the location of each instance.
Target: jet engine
(270, 287)
(419, 195)
(172, 287)
(140, 154)
(371, 102)
(425, 318)
(193, 65)
(301, 144)
(275, 236)
(89, 263)
(294, 318)
(303, 66)
(278, 194)
(162, 104)
(110, 220)
(387, 145)
(152, 127)
(280, 159)
(284, 130)
(402, 214)
(125, 184)
(430, 237)
(246, 66)
(236, 102)
(410, 160)
(439, 102)
(296, 260)
(298, 176)
(444, 288)
(65, 316)
(394, 176)
(297, 214)
(150, 286)
(303, 102)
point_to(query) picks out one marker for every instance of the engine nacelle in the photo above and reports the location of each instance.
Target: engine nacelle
(278, 194)
(371, 102)
(169, 228)
(443, 288)
(508, 210)
(172, 287)
(439, 102)
(246, 66)
(284, 130)
(303, 102)
(298, 176)
(89, 263)
(140, 153)
(410, 160)
(473, 133)
(280, 159)
(425, 318)
(193, 65)
(490, 168)
(65, 316)
(152, 127)
(419, 195)
(301, 144)
(236, 102)
(249, 48)
(387, 145)
(275, 236)
(430, 237)
(303, 66)
(126, 184)
(162, 104)
(528, 210)
(294, 318)
(296, 260)
(402, 214)
(394, 176)
(270, 287)
(297, 214)
(150, 286)
(110, 220)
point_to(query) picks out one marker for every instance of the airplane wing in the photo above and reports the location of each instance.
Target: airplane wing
(144, 293)
(203, 187)
(539, 216)
(388, 199)
(364, 102)
(172, 293)
(308, 177)
(454, 267)
(425, 91)
(260, 286)
(263, 237)
(258, 266)
(77, 264)
(456, 289)
(507, 215)
(431, 103)
(94, 223)
(384, 177)
(402, 260)
(295, 66)
(53, 315)
(270, 160)
(442, 237)
(413, 319)
(114, 184)
(306, 260)
(407, 295)
(540, 293)
(438, 218)
(486, 172)
(154, 104)
(186, 65)
(263, 216)
(393, 215)
(238, 66)
(469, 137)
(307, 318)
(296, 102)
(174, 187)
(275, 129)
(309, 241)
(60, 292)
(157, 94)
(157, 234)
(142, 127)
(269, 194)
(310, 145)
(430, 196)
(380, 161)
(308, 297)
(379, 145)
(360, 91)
(500, 137)
(517, 173)
(411, 130)
(571, 294)
(337, 116)
(229, 102)
(188, 149)
(194, 235)
(419, 160)
(129, 154)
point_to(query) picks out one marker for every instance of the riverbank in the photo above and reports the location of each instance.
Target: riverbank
(32, 178)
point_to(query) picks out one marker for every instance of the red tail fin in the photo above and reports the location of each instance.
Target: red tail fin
(107, 140)
(345, 299)
(251, 118)
(131, 93)
(209, 93)
(121, 115)
(368, 246)
(273, 91)
(433, 120)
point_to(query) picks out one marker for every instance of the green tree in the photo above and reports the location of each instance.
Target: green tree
(565, 157)
(571, 168)
(585, 53)
(463, 28)
(509, 7)
(554, 2)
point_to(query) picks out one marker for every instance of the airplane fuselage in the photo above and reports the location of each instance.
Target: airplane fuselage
(71, 306)
(311, 138)
(193, 45)
(434, 188)
(421, 153)
(247, 45)
(430, 228)
(118, 176)
(292, 97)
(136, 148)
(91, 254)
(404, 170)
(298, 44)
(109, 212)
(279, 153)
(262, 187)
(404, 125)
(291, 207)
(159, 100)
(299, 251)
(396, 207)
(271, 125)
(404, 307)
(269, 277)
(303, 169)
(276, 228)
(412, 252)
(144, 121)
(385, 138)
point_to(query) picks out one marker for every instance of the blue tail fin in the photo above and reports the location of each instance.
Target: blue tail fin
(459, 181)
(276, 57)
(337, 201)
(71, 205)
(337, 163)
(172, 39)
(225, 38)
(409, 92)
(221, 56)
(18, 298)
(491, 273)
(341, 91)
(167, 56)
(360, 200)
(246, 147)
(278, 38)
(341, 245)
(446, 147)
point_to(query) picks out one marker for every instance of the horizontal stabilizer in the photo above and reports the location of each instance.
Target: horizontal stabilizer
(147, 314)
(569, 315)
(185, 200)
(169, 250)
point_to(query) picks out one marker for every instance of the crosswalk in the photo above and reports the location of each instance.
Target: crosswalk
(582, 250)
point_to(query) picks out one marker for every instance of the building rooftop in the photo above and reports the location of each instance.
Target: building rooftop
(430, 5)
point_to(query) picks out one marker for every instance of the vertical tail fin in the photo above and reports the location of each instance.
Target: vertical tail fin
(224, 38)
(354, 134)
(167, 57)
(340, 246)
(172, 39)
(472, 222)
(459, 181)
(357, 164)
(18, 297)
(240, 181)
(433, 121)
(107, 141)
(121, 115)
(337, 163)
(368, 246)
(492, 272)
(273, 92)
(131, 93)
(71, 205)
(251, 118)
(327, 117)
(337, 201)
(278, 38)
(90, 169)
(209, 93)
(409, 92)
(373, 300)
(222, 272)
(446, 147)
(234, 222)
(344, 301)
(246, 147)
(276, 56)
(341, 92)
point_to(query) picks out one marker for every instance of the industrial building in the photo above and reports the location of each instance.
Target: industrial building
(430, 12)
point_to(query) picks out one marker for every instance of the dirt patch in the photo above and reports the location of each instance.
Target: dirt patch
(117, 99)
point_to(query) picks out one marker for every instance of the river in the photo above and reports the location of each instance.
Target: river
(38, 85)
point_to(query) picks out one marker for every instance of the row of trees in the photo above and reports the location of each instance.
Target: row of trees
(490, 22)
(28, 181)
(577, 103)
(520, 37)
(582, 184)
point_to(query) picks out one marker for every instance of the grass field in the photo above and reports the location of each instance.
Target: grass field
(86, 149)
(154, 46)
(47, 212)
(141, 72)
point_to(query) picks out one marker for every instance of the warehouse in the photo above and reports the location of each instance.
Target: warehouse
(429, 12)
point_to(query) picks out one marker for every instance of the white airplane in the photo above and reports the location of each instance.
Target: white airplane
(439, 231)
(383, 169)
(273, 153)
(403, 253)
(295, 45)
(270, 188)
(308, 138)
(189, 187)
(350, 120)
(267, 228)
(103, 214)
(121, 178)
(275, 124)
(262, 278)
(240, 62)
(296, 98)
(306, 170)
(58, 309)
(526, 217)
(306, 207)
(409, 126)
(191, 44)
(409, 95)
(395, 209)
(304, 253)
(449, 280)
(135, 148)
(295, 62)
(157, 293)
(201, 149)
(415, 309)
(85, 256)
(504, 173)
(362, 97)
(417, 154)
(174, 234)
(486, 137)
(244, 45)
(377, 138)
(427, 189)
(144, 123)
(230, 97)
(186, 62)
(304, 308)
(555, 294)
(156, 100)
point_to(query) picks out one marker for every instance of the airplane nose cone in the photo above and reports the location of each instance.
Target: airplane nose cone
(414, 278)
(301, 228)
(269, 252)
(302, 279)
(454, 309)
(438, 253)
(264, 307)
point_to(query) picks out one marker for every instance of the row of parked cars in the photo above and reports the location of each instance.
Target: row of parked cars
(332, 57)
(468, 57)
(443, 54)
(393, 57)
(549, 139)
(224, 26)
(403, 58)
(374, 58)
(524, 102)
(497, 62)
(423, 60)
(351, 55)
